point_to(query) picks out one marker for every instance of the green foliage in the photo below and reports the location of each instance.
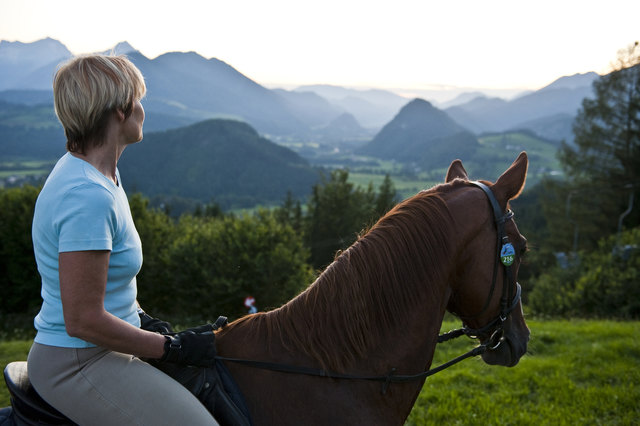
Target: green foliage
(338, 210)
(199, 267)
(19, 279)
(603, 164)
(601, 283)
(210, 264)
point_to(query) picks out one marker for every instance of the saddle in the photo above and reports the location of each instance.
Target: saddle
(28, 407)
(214, 387)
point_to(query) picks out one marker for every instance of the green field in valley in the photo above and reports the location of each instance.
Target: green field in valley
(577, 372)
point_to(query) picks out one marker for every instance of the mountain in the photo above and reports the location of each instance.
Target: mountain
(344, 130)
(183, 88)
(122, 48)
(421, 134)
(559, 101)
(188, 86)
(30, 65)
(558, 127)
(462, 98)
(309, 107)
(225, 161)
(372, 108)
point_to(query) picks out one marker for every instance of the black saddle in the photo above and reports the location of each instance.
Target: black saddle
(213, 386)
(28, 407)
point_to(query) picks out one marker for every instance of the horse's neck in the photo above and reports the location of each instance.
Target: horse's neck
(407, 349)
(362, 327)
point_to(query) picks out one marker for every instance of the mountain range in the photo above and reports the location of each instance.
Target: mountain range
(557, 102)
(185, 88)
(212, 133)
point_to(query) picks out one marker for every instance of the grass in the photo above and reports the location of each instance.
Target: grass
(577, 372)
(25, 167)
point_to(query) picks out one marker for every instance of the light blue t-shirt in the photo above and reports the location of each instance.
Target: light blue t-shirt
(80, 209)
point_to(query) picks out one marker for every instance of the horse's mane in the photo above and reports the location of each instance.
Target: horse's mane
(371, 287)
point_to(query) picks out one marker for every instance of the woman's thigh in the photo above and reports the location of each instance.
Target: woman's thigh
(95, 386)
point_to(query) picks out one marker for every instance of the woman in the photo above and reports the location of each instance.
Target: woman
(85, 357)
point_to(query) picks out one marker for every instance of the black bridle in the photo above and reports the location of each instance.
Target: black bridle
(505, 255)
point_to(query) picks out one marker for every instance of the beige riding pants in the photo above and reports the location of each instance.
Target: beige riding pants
(95, 386)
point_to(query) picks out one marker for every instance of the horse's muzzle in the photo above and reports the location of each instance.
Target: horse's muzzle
(506, 347)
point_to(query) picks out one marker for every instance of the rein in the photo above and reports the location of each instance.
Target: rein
(505, 255)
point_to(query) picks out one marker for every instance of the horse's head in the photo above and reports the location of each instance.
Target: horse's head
(484, 289)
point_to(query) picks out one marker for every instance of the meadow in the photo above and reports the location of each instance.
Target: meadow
(577, 372)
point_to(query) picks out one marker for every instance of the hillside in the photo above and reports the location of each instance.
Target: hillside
(225, 161)
(31, 132)
(423, 135)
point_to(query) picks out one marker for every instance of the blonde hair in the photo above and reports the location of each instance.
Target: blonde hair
(87, 90)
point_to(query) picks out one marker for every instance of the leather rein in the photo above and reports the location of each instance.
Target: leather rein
(505, 255)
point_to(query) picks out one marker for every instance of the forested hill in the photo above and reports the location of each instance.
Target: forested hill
(424, 135)
(224, 161)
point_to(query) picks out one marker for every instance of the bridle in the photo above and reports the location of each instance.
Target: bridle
(505, 255)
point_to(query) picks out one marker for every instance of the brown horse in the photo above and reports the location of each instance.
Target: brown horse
(379, 306)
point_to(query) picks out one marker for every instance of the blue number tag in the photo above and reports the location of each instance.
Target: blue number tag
(507, 254)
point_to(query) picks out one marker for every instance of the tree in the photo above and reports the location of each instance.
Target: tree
(338, 210)
(19, 278)
(213, 263)
(603, 164)
(387, 196)
(157, 231)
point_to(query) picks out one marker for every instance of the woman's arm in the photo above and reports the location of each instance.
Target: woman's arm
(83, 281)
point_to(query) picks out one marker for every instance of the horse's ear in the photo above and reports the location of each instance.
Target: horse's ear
(511, 183)
(456, 170)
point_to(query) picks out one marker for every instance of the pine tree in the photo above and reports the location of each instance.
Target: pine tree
(603, 163)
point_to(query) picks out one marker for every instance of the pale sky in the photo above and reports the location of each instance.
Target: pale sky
(409, 44)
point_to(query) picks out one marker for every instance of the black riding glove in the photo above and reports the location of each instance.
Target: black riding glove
(189, 348)
(220, 322)
(155, 325)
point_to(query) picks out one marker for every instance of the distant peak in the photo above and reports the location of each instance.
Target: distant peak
(418, 103)
(122, 48)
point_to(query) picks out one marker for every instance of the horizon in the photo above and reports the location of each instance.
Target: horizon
(409, 47)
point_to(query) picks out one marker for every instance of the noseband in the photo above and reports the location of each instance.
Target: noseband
(505, 255)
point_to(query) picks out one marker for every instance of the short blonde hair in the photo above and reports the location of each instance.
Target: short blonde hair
(87, 90)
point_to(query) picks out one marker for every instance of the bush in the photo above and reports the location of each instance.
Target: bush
(605, 282)
(198, 267)
(212, 264)
(19, 278)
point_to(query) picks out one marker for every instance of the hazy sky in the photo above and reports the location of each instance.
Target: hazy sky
(389, 44)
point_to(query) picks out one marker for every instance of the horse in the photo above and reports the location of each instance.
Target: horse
(356, 346)
(377, 309)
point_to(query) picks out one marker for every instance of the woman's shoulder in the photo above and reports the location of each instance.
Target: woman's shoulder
(74, 174)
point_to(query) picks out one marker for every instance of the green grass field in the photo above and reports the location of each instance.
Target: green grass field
(576, 373)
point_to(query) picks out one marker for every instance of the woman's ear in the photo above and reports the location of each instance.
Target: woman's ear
(120, 115)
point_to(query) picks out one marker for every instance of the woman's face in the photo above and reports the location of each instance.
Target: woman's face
(134, 123)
